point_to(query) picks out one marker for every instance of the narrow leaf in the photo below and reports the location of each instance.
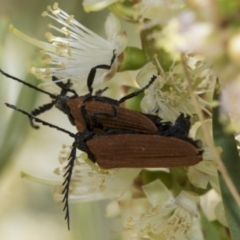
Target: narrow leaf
(230, 157)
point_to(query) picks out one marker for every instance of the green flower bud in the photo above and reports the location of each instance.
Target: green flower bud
(131, 59)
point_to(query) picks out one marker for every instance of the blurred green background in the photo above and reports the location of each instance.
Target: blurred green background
(28, 210)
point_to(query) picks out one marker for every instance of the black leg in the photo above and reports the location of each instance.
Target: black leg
(96, 121)
(100, 91)
(86, 117)
(66, 87)
(131, 95)
(93, 70)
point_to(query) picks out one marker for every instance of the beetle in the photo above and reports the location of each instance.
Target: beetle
(97, 111)
(117, 148)
(100, 112)
(79, 108)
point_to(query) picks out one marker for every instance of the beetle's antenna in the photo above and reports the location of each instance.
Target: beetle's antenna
(27, 84)
(66, 184)
(69, 167)
(39, 120)
(131, 95)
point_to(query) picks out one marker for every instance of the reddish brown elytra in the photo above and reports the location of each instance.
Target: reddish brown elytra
(125, 119)
(142, 151)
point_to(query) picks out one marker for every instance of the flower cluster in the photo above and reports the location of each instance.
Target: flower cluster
(183, 46)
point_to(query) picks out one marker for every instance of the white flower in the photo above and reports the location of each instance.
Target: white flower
(168, 96)
(212, 207)
(168, 218)
(72, 55)
(89, 183)
(205, 172)
(161, 11)
(184, 33)
(220, 214)
(96, 5)
(230, 102)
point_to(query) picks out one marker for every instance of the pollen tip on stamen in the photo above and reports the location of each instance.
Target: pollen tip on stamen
(57, 171)
(32, 70)
(55, 6)
(49, 25)
(70, 18)
(83, 156)
(49, 36)
(44, 14)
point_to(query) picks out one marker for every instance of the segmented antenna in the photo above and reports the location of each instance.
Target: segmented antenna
(66, 184)
(40, 110)
(69, 167)
(123, 99)
(27, 84)
(39, 120)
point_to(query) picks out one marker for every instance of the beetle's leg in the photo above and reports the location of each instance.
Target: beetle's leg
(100, 91)
(131, 95)
(65, 87)
(40, 110)
(80, 142)
(86, 117)
(180, 129)
(93, 70)
(182, 126)
(96, 121)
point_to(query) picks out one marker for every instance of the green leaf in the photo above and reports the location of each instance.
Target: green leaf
(150, 48)
(213, 230)
(180, 182)
(224, 139)
(150, 176)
